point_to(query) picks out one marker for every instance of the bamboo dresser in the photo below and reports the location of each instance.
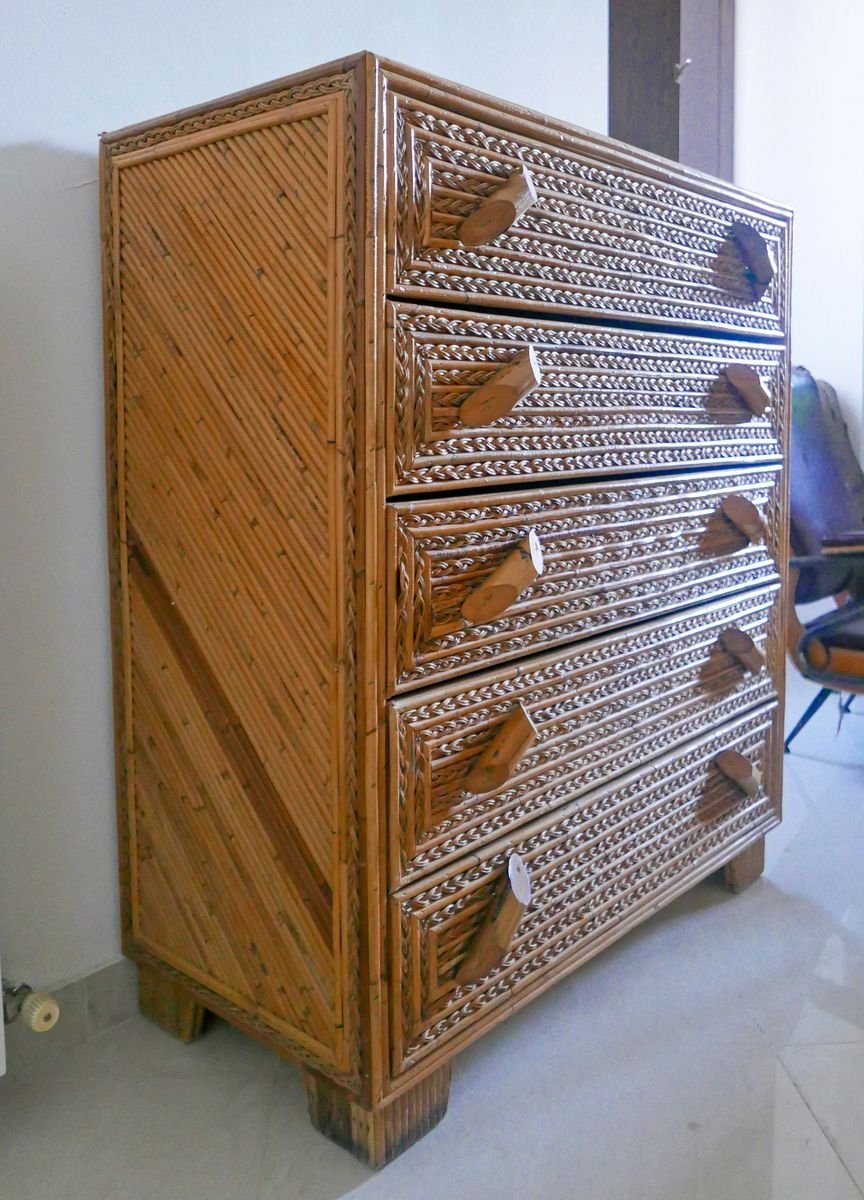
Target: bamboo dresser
(448, 521)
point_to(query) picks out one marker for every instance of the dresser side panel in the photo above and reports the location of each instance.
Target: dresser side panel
(230, 274)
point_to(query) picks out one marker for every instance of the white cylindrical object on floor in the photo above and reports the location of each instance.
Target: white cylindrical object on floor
(40, 1012)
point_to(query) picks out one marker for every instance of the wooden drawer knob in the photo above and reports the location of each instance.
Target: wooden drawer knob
(744, 515)
(742, 647)
(495, 765)
(500, 210)
(747, 386)
(497, 592)
(494, 936)
(756, 255)
(740, 770)
(503, 391)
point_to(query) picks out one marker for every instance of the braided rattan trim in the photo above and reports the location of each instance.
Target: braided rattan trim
(236, 112)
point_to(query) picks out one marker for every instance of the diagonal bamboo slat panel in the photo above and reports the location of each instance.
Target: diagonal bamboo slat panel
(229, 305)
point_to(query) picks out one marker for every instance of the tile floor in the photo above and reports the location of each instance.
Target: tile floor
(715, 1054)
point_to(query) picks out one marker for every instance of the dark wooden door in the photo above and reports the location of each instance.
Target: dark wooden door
(671, 77)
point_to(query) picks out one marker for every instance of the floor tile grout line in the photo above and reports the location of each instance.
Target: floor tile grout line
(265, 1141)
(859, 1041)
(828, 1138)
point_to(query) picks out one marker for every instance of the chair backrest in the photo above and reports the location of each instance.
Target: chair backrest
(827, 482)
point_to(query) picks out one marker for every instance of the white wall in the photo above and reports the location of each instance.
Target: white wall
(68, 72)
(799, 113)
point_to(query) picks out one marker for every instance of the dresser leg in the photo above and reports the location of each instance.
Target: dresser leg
(377, 1136)
(167, 1003)
(746, 867)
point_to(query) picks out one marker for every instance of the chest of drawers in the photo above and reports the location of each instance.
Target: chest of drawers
(448, 521)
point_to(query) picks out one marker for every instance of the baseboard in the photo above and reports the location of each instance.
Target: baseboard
(88, 1007)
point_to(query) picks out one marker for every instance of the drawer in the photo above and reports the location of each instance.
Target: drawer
(487, 578)
(565, 723)
(596, 868)
(607, 231)
(591, 401)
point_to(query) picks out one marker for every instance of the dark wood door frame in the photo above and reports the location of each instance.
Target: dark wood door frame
(671, 79)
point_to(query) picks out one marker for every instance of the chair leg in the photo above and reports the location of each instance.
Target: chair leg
(812, 708)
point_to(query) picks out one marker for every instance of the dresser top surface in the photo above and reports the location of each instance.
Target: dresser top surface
(424, 85)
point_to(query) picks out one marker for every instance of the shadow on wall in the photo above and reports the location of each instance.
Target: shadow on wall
(57, 857)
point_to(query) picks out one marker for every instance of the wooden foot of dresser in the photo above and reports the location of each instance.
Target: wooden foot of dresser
(746, 867)
(377, 1136)
(167, 1004)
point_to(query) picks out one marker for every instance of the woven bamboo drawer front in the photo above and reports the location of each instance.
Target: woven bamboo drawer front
(596, 867)
(612, 553)
(609, 401)
(606, 235)
(600, 708)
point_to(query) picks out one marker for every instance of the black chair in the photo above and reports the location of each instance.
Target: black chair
(827, 542)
